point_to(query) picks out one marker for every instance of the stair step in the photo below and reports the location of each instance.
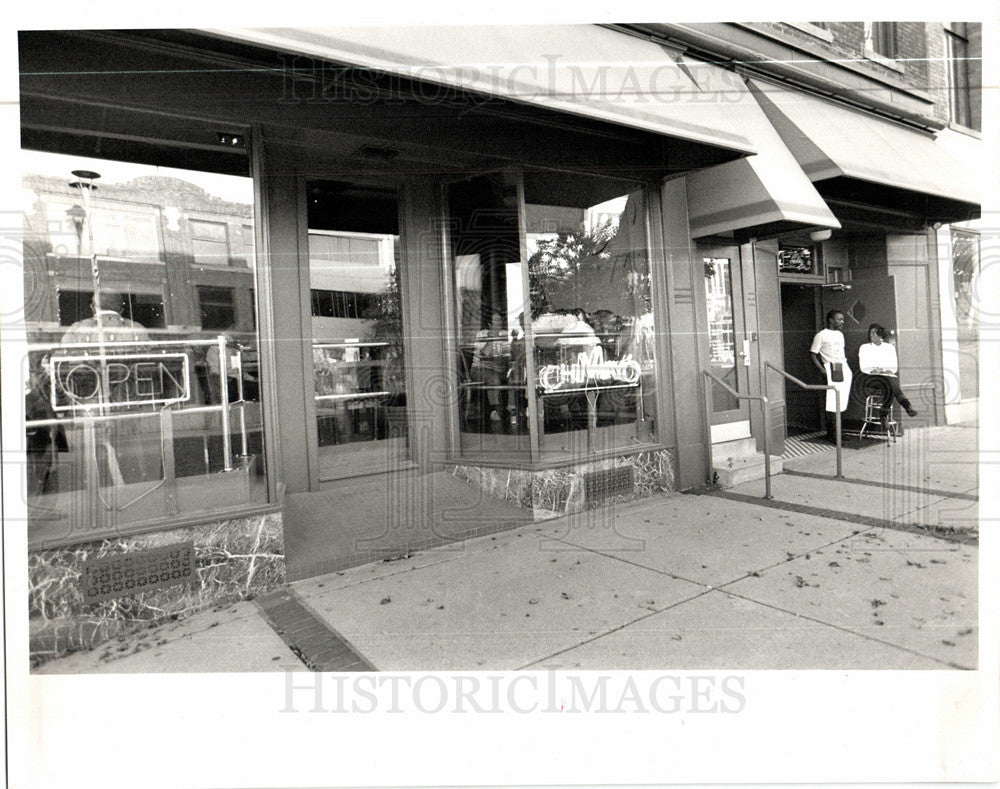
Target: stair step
(733, 449)
(737, 470)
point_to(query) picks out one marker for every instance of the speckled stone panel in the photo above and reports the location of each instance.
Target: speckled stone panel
(554, 492)
(235, 559)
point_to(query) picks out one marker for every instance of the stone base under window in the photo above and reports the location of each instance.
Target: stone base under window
(234, 559)
(551, 493)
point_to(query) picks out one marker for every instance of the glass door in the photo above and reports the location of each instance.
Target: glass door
(728, 346)
(357, 333)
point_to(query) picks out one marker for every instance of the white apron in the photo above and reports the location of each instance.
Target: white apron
(844, 387)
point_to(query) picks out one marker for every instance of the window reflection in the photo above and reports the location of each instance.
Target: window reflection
(578, 301)
(357, 324)
(142, 367)
(592, 319)
(489, 289)
(721, 330)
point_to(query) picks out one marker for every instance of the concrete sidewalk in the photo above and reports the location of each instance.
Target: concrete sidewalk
(877, 570)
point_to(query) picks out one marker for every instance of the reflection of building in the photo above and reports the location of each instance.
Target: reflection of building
(182, 258)
(392, 229)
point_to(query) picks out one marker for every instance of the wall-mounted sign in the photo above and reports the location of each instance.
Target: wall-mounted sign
(796, 260)
(119, 380)
(590, 371)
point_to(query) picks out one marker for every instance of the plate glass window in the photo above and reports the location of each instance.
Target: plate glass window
(357, 329)
(554, 316)
(141, 378)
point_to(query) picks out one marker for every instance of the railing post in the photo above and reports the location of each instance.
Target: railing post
(710, 469)
(840, 470)
(709, 380)
(227, 450)
(767, 448)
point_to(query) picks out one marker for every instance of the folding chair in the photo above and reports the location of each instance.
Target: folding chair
(873, 416)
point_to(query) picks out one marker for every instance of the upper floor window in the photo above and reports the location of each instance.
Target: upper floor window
(209, 242)
(880, 38)
(217, 307)
(962, 75)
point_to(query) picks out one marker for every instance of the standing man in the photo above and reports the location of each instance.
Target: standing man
(828, 355)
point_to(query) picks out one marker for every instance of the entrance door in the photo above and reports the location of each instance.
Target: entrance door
(800, 315)
(867, 301)
(728, 348)
(357, 334)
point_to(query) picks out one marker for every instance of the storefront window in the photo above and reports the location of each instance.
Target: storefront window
(966, 270)
(556, 342)
(142, 384)
(591, 314)
(357, 325)
(489, 292)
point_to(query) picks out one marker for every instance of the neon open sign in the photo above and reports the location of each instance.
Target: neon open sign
(590, 370)
(120, 380)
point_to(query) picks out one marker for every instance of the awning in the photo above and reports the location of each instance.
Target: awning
(767, 192)
(841, 149)
(585, 70)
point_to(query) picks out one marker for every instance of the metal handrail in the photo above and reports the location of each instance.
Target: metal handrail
(763, 408)
(816, 387)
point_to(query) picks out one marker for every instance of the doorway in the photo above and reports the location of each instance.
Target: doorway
(863, 303)
(800, 320)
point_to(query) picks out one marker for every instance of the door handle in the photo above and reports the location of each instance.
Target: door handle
(745, 353)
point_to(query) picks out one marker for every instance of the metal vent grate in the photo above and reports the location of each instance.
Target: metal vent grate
(108, 577)
(599, 486)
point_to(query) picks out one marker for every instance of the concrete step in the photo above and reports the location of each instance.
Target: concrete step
(739, 447)
(737, 470)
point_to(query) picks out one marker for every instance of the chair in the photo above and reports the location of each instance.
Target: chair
(873, 416)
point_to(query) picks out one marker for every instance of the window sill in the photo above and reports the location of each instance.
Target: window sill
(220, 267)
(882, 60)
(966, 130)
(406, 465)
(813, 30)
(165, 524)
(563, 462)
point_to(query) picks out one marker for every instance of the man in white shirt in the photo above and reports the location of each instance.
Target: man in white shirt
(878, 361)
(827, 352)
(107, 325)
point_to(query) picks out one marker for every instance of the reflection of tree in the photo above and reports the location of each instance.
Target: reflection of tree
(577, 268)
(965, 267)
(386, 315)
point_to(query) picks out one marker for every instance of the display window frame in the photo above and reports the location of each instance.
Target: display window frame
(533, 455)
(268, 499)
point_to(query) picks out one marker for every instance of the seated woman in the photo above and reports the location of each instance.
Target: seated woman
(878, 361)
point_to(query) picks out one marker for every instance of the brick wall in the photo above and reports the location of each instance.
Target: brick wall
(976, 72)
(920, 53)
(937, 69)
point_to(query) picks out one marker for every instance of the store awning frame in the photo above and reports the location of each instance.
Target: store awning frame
(855, 156)
(758, 195)
(584, 70)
